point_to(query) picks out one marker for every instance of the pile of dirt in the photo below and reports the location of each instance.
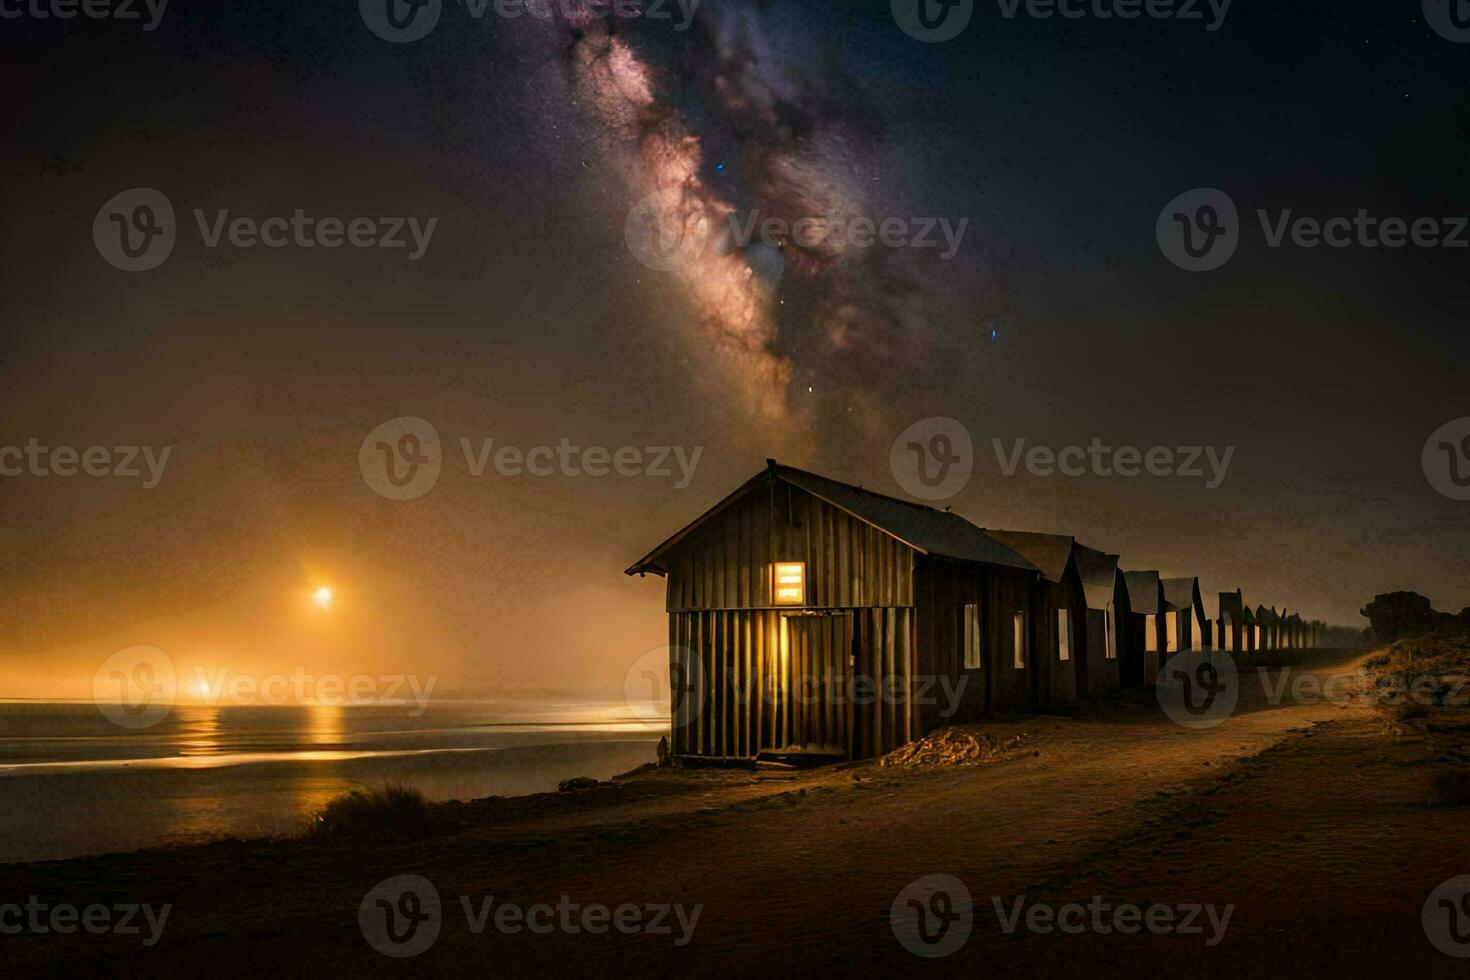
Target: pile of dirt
(1423, 685)
(953, 746)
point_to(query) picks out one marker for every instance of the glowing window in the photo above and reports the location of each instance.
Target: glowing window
(1150, 633)
(1018, 639)
(1171, 627)
(972, 637)
(1111, 653)
(1064, 635)
(790, 583)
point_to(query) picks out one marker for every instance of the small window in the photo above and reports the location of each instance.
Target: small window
(788, 583)
(972, 637)
(1151, 633)
(1018, 639)
(1110, 652)
(1171, 627)
(1064, 634)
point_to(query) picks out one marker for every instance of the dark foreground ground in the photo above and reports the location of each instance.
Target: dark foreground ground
(1309, 819)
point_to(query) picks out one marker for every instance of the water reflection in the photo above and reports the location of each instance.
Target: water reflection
(199, 731)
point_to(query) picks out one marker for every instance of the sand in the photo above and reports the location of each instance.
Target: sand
(1309, 819)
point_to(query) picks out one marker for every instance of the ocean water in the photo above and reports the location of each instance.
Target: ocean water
(74, 783)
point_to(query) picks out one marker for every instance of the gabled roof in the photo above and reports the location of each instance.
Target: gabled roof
(1048, 552)
(1211, 602)
(937, 533)
(1180, 592)
(1143, 592)
(1099, 574)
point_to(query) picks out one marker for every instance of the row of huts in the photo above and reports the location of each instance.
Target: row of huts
(812, 616)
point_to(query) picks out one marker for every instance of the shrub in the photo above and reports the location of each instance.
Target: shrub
(391, 811)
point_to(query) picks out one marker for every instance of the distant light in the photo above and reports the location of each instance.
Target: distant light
(324, 597)
(719, 168)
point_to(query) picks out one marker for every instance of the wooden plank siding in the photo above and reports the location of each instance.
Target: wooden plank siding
(849, 564)
(755, 680)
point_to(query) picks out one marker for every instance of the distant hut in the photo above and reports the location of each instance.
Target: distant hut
(1059, 623)
(1231, 634)
(1267, 622)
(1184, 615)
(1210, 633)
(1100, 584)
(1142, 629)
(1298, 632)
(812, 616)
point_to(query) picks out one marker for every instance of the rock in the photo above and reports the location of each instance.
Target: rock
(576, 784)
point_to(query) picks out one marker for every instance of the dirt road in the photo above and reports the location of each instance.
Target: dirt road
(1306, 819)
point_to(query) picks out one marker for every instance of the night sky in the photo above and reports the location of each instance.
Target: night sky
(528, 319)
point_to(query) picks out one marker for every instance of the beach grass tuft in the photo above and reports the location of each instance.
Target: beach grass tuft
(391, 811)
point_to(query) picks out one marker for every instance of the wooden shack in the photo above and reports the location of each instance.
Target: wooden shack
(1266, 624)
(1059, 623)
(1142, 629)
(1184, 615)
(1231, 636)
(1100, 584)
(812, 616)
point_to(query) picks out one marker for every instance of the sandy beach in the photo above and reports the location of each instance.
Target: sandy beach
(1307, 820)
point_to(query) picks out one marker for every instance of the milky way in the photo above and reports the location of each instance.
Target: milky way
(732, 124)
